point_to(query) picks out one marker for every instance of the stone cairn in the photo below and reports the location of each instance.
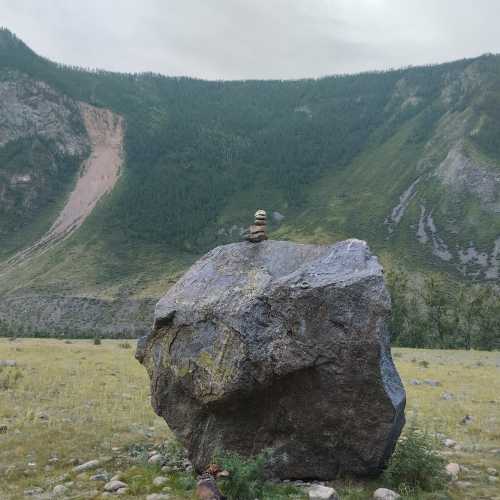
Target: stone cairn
(257, 231)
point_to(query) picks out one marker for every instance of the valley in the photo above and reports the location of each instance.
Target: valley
(112, 184)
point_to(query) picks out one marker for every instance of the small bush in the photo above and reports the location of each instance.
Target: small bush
(246, 479)
(124, 345)
(97, 340)
(9, 377)
(415, 465)
(424, 364)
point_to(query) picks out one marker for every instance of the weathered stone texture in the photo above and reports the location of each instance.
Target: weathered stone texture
(279, 346)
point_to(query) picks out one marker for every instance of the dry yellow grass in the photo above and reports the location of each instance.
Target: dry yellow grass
(96, 398)
(473, 380)
(82, 401)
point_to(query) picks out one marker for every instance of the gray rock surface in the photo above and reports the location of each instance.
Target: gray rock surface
(385, 494)
(29, 107)
(114, 485)
(279, 346)
(319, 492)
(91, 464)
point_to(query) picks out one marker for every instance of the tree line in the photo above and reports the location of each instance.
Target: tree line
(436, 311)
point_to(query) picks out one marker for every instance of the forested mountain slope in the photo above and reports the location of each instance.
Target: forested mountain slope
(406, 159)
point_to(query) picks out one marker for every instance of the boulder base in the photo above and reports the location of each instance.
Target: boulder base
(279, 346)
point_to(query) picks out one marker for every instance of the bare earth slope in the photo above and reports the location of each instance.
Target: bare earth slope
(99, 172)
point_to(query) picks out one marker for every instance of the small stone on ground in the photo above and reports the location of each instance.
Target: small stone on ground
(155, 459)
(318, 492)
(159, 481)
(385, 494)
(59, 490)
(450, 443)
(114, 485)
(453, 470)
(92, 464)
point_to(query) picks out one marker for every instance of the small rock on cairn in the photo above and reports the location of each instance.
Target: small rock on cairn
(257, 231)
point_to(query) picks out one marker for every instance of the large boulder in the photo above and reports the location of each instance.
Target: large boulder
(279, 346)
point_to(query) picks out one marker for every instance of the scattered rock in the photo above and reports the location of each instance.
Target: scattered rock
(43, 416)
(8, 362)
(114, 485)
(100, 477)
(59, 490)
(463, 484)
(492, 479)
(450, 443)
(319, 492)
(117, 477)
(415, 382)
(206, 489)
(155, 459)
(467, 420)
(91, 464)
(447, 396)
(159, 481)
(385, 494)
(295, 359)
(432, 383)
(122, 491)
(158, 496)
(33, 491)
(492, 471)
(453, 469)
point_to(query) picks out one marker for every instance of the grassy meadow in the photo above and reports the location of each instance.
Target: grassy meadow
(68, 402)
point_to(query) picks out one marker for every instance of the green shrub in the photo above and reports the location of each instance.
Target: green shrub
(415, 464)
(97, 340)
(246, 476)
(124, 345)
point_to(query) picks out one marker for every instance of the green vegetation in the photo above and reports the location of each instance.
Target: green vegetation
(246, 476)
(440, 312)
(246, 480)
(415, 464)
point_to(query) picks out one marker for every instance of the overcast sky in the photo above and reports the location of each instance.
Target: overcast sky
(230, 39)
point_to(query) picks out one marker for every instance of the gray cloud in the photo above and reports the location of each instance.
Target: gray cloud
(229, 39)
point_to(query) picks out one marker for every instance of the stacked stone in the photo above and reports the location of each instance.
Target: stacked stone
(257, 231)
